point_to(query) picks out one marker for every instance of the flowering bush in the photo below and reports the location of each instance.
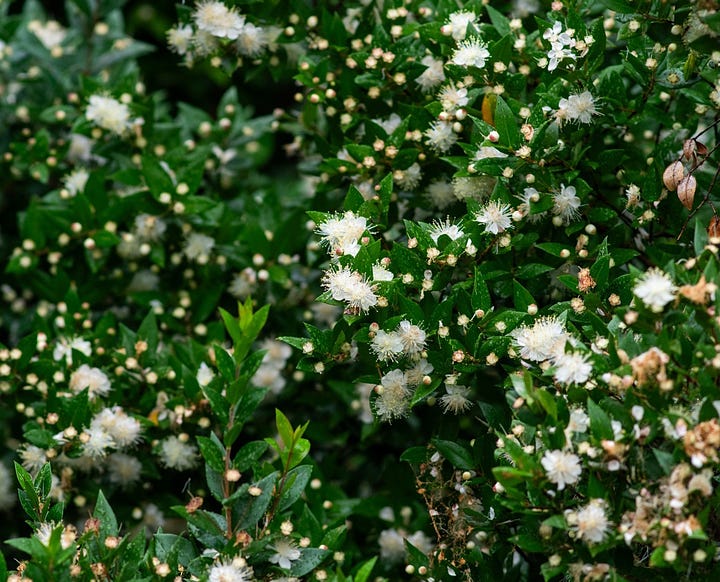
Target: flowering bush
(515, 282)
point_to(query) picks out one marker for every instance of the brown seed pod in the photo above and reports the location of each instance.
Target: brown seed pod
(689, 149)
(672, 175)
(713, 228)
(686, 191)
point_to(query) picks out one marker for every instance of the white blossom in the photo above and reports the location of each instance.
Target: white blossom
(572, 368)
(108, 113)
(592, 524)
(655, 289)
(566, 204)
(351, 287)
(471, 53)
(543, 341)
(440, 136)
(561, 468)
(218, 20)
(495, 216)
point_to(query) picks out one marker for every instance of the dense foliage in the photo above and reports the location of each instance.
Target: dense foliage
(474, 261)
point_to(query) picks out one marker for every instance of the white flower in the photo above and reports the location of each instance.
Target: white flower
(433, 75)
(389, 125)
(236, 570)
(96, 442)
(470, 53)
(123, 429)
(75, 182)
(392, 545)
(447, 228)
(414, 376)
(204, 375)
(451, 98)
(496, 216)
(80, 148)
(243, 283)
(108, 113)
(380, 273)
(180, 38)
(7, 489)
(421, 541)
(579, 421)
(409, 178)
(475, 188)
(440, 136)
(252, 40)
(386, 346)
(198, 247)
(218, 20)
(123, 469)
(458, 22)
(412, 338)
(578, 108)
(572, 368)
(51, 34)
(456, 400)
(65, 347)
(544, 340)
(488, 152)
(566, 204)
(341, 233)
(592, 522)
(561, 468)
(176, 454)
(656, 289)
(285, 554)
(149, 228)
(561, 45)
(393, 400)
(351, 287)
(94, 379)
(441, 193)
(33, 458)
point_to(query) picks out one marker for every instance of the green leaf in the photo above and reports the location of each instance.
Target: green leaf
(284, 428)
(600, 424)
(157, 179)
(295, 483)
(455, 453)
(499, 21)
(309, 559)
(665, 460)
(522, 298)
(249, 454)
(250, 509)
(363, 573)
(213, 452)
(106, 515)
(506, 125)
